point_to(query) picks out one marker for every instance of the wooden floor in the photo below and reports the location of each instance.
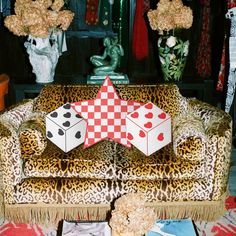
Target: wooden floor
(232, 175)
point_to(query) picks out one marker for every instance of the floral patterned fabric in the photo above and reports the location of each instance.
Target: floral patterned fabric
(203, 62)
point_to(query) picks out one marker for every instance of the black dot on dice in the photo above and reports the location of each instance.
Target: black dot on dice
(60, 132)
(66, 106)
(78, 135)
(54, 114)
(49, 134)
(66, 124)
(67, 115)
(77, 116)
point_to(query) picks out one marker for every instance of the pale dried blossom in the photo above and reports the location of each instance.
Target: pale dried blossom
(38, 17)
(38, 30)
(52, 19)
(169, 15)
(129, 202)
(65, 17)
(131, 215)
(57, 5)
(181, 16)
(14, 24)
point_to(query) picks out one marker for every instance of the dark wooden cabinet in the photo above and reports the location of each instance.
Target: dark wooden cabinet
(84, 41)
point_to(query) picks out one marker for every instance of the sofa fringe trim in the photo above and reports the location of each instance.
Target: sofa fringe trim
(52, 214)
(48, 214)
(196, 210)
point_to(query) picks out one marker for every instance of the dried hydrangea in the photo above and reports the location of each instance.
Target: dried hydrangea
(131, 215)
(38, 17)
(57, 5)
(169, 15)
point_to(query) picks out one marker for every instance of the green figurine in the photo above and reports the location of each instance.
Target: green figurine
(108, 62)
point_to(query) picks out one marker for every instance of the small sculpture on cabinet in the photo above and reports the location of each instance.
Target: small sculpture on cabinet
(107, 63)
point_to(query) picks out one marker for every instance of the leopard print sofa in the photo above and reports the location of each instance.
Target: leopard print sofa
(187, 178)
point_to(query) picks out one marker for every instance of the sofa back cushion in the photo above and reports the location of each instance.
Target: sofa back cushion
(167, 97)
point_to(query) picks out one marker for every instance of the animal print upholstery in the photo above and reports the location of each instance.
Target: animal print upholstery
(32, 136)
(104, 191)
(166, 97)
(18, 114)
(107, 170)
(218, 127)
(131, 164)
(95, 162)
(125, 166)
(189, 137)
(11, 162)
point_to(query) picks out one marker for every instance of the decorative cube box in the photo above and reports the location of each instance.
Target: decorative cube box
(148, 128)
(65, 127)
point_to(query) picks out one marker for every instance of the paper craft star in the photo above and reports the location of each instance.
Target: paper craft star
(105, 115)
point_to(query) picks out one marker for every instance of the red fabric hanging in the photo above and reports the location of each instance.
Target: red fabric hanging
(231, 4)
(221, 77)
(203, 62)
(140, 33)
(91, 15)
(146, 6)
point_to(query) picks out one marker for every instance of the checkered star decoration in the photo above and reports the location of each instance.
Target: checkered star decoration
(105, 115)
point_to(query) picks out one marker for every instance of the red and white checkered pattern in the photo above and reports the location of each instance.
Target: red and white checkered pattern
(105, 115)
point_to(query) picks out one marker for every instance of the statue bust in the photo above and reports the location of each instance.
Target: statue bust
(107, 63)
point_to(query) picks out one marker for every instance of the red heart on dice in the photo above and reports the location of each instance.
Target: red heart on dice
(160, 137)
(142, 134)
(130, 136)
(149, 115)
(135, 115)
(162, 115)
(148, 106)
(148, 125)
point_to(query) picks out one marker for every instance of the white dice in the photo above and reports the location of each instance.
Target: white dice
(148, 128)
(65, 127)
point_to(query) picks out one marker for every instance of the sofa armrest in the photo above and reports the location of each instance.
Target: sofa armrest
(189, 137)
(220, 143)
(218, 126)
(10, 150)
(32, 135)
(17, 114)
(206, 112)
(10, 157)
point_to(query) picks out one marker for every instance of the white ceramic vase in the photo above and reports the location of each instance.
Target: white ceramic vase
(43, 56)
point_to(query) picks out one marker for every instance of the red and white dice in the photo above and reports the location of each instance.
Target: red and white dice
(148, 128)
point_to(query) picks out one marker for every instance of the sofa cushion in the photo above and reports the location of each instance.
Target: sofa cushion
(94, 162)
(65, 190)
(189, 137)
(131, 164)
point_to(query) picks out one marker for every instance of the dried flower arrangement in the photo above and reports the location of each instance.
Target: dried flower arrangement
(131, 216)
(169, 15)
(38, 17)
